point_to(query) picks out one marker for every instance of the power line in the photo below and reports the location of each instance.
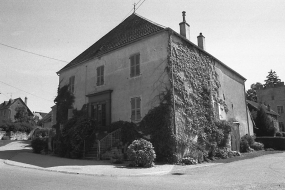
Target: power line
(140, 5)
(26, 91)
(131, 10)
(32, 53)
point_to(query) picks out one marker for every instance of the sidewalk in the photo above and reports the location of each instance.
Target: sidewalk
(25, 158)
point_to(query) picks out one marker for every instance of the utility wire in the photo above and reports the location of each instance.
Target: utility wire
(140, 5)
(32, 53)
(26, 91)
(131, 10)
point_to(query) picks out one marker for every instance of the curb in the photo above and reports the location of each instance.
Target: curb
(8, 162)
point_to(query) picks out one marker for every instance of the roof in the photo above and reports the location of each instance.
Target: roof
(131, 29)
(47, 117)
(256, 105)
(7, 104)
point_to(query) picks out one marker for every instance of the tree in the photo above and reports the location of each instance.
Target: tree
(22, 115)
(272, 78)
(251, 93)
(264, 124)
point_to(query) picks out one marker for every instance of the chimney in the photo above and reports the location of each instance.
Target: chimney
(26, 100)
(201, 41)
(184, 27)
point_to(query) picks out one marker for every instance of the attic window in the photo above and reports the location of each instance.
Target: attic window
(135, 65)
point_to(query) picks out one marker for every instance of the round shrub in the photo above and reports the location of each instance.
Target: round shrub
(189, 161)
(141, 153)
(244, 146)
(39, 144)
(257, 146)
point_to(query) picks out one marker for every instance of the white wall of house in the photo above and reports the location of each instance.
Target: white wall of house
(153, 60)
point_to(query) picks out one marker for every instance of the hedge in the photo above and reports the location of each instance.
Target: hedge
(277, 143)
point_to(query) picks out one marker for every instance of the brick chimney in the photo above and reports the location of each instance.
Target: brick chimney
(184, 27)
(201, 41)
(26, 100)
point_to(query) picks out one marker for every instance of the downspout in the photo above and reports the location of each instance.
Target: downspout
(246, 109)
(173, 92)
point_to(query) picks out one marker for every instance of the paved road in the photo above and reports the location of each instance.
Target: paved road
(266, 172)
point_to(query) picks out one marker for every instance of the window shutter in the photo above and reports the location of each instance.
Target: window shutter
(137, 64)
(132, 60)
(102, 75)
(133, 109)
(98, 76)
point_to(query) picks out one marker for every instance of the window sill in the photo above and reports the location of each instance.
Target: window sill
(137, 76)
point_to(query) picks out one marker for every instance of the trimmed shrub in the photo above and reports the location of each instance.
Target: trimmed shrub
(278, 134)
(189, 161)
(257, 146)
(246, 143)
(283, 134)
(141, 153)
(277, 143)
(244, 146)
(39, 145)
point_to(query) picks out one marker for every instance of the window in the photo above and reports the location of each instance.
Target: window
(135, 65)
(281, 126)
(280, 109)
(100, 75)
(71, 84)
(135, 109)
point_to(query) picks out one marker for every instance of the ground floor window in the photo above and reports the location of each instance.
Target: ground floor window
(135, 109)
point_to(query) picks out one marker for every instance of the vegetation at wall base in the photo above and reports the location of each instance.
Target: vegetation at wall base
(264, 125)
(248, 144)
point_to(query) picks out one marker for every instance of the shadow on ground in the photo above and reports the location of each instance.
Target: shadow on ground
(20, 151)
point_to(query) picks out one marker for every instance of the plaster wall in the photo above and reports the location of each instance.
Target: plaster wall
(11, 112)
(266, 96)
(152, 80)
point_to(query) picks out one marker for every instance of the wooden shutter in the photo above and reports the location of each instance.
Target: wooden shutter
(137, 64)
(102, 75)
(133, 109)
(132, 64)
(138, 108)
(98, 76)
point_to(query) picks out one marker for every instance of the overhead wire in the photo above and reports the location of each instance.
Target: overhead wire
(32, 53)
(25, 91)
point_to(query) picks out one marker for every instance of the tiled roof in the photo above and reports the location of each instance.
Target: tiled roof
(131, 29)
(7, 104)
(256, 106)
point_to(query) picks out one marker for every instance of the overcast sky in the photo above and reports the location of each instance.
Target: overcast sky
(246, 35)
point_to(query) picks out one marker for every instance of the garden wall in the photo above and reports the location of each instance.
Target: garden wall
(277, 143)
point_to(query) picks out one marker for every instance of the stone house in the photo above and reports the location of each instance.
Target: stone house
(273, 95)
(121, 76)
(8, 108)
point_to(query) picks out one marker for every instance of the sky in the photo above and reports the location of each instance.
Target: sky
(246, 35)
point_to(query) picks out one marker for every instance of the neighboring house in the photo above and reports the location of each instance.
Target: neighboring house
(274, 96)
(8, 108)
(273, 116)
(121, 75)
(47, 120)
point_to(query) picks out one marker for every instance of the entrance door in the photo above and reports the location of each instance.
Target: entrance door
(98, 113)
(235, 137)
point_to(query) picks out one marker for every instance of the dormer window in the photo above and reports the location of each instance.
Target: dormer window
(135, 65)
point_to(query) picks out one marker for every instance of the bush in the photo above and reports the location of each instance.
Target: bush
(257, 146)
(244, 146)
(39, 145)
(221, 153)
(283, 134)
(246, 143)
(189, 161)
(278, 134)
(141, 153)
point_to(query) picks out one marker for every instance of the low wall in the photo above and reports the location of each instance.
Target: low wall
(2, 133)
(277, 143)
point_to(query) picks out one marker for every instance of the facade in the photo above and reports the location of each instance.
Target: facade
(121, 76)
(8, 108)
(274, 96)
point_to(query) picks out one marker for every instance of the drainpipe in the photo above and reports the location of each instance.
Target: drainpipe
(246, 110)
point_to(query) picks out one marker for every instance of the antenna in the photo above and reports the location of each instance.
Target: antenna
(134, 7)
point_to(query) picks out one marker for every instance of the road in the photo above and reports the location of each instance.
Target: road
(265, 172)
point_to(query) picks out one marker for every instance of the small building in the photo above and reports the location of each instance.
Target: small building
(273, 95)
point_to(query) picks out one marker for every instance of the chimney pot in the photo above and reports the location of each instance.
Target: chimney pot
(201, 41)
(184, 27)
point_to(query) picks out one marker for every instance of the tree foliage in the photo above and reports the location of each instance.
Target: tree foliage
(264, 124)
(251, 93)
(271, 78)
(22, 115)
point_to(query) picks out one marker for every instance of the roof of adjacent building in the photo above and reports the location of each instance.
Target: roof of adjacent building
(7, 104)
(133, 28)
(256, 106)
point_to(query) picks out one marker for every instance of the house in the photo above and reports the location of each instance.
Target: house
(121, 76)
(8, 109)
(273, 95)
(273, 116)
(47, 120)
